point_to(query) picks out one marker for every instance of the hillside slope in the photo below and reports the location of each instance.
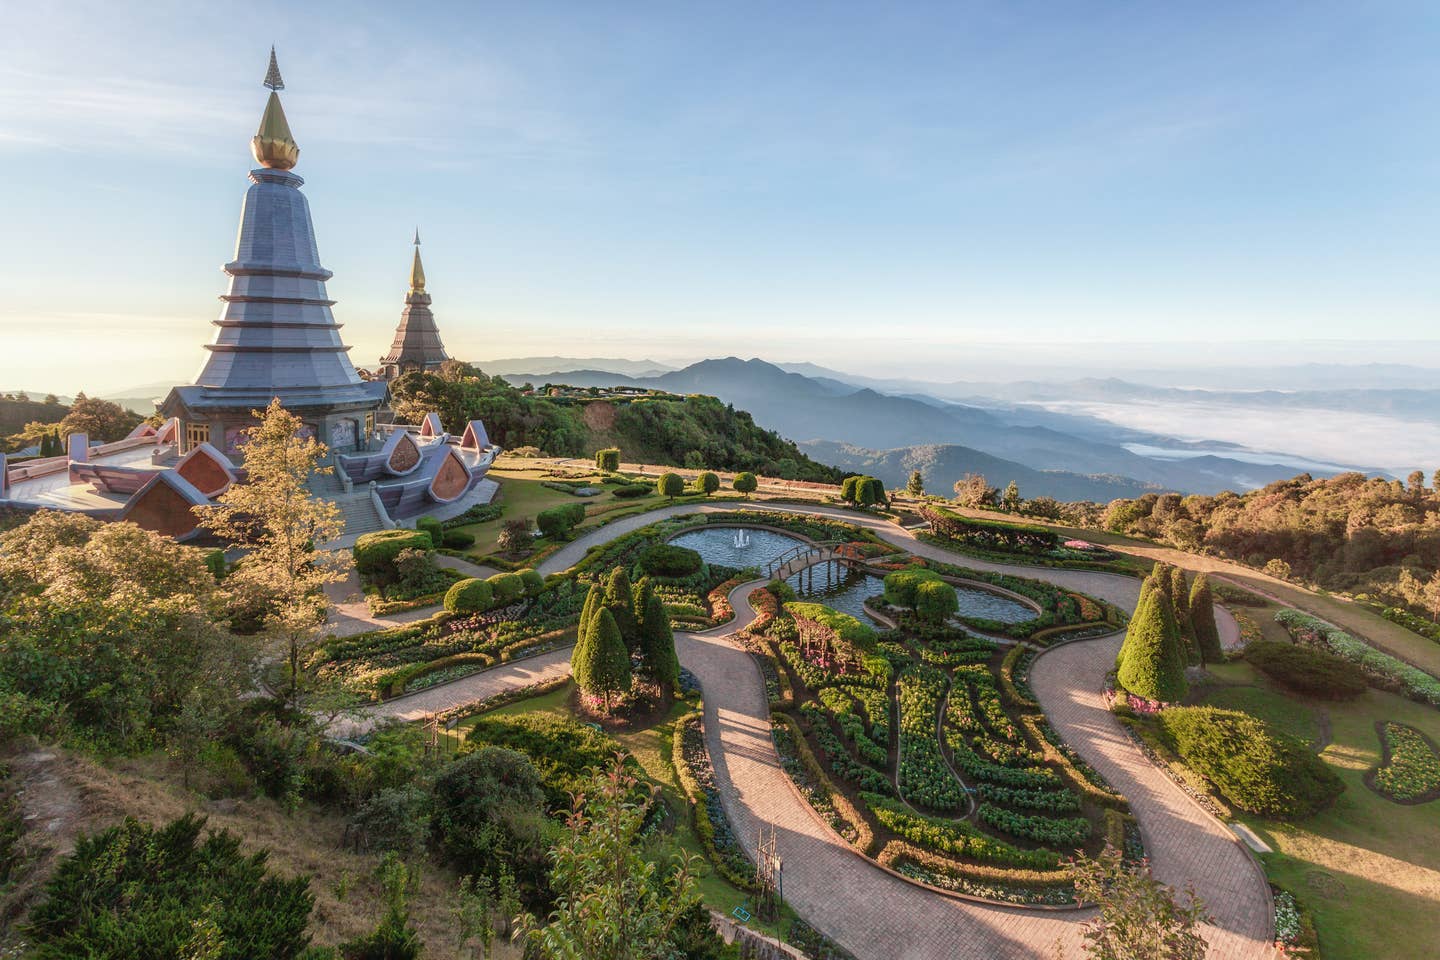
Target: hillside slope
(943, 464)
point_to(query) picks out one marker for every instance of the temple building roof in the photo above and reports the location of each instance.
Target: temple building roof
(417, 343)
(276, 335)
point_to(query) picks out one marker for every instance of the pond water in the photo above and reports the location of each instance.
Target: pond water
(717, 545)
(852, 592)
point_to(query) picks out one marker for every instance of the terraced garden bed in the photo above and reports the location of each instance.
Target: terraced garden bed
(928, 738)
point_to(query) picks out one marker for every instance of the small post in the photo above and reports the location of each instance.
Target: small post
(77, 447)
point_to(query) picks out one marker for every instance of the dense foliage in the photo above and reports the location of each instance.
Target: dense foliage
(1254, 766)
(1306, 670)
(138, 891)
(693, 431)
(1348, 532)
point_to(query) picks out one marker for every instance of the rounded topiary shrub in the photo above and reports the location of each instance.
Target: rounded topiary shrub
(1253, 765)
(668, 560)
(532, 581)
(902, 586)
(559, 521)
(507, 588)
(1307, 670)
(632, 491)
(469, 596)
(458, 540)
(935, 600)
(375, 553)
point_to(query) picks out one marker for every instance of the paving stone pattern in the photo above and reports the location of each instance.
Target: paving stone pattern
(875, 914)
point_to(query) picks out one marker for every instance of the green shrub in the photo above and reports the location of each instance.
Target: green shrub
(556, 522)
(1418, 684)
(935, 600)
(215, 563)
(506, 587)
(668, 560)
(902, 585)
(531, 580)
(633, 491)
(707, 482)
(745, 483)
(488, 812)
(670, 485)
(393, 818)
(141, 891)
(375, 552)
(470, 596)
(433, 527)
(1151, 663)
(1306, 669)
(1254, 766)
(458, 540)
(608, 460)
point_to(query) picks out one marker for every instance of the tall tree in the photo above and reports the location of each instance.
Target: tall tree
(915, 486)
(1202, 621)
(1153, 666)
(279, 524)
(100, 419)
(657, 644)
(600, 662)
(620, 601)
(971, 490)
(612, 902)
(1010, 501)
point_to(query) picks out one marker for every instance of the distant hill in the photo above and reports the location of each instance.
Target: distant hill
(805, 408)
(627, 368)
(943, 464)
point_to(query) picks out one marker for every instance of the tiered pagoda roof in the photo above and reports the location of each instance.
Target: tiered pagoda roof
(275, 336)
(417, 343)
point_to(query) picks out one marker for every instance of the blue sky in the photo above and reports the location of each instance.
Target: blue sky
(893, 188)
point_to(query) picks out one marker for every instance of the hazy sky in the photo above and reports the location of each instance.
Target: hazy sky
(873, 186)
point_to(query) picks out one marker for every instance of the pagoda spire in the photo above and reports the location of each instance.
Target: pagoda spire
(273, 144)
(417, 269)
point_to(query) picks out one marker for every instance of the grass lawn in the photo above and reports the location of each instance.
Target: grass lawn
(522, 494)
(1368, 868)
(652, 748)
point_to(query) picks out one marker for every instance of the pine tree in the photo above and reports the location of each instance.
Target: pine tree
(620, 601)
(1202, 620)
(1146, 586)
(1152, 666)
(657, 644)
(600, 663)
(1180, 599)
(915, 486)
(641, 593)
(593, 601)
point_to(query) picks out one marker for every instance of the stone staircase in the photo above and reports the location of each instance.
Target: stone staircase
(359, 513)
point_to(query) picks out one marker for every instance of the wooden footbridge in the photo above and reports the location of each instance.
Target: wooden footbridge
(807, 556)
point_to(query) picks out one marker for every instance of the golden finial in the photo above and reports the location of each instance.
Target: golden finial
(273, 145)
(417, 269)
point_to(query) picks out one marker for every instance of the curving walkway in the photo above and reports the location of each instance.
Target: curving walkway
(873, 913)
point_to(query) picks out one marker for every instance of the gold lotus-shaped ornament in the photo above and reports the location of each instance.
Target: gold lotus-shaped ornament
(273, 145)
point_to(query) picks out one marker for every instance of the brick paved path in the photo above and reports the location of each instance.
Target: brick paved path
(872, 913)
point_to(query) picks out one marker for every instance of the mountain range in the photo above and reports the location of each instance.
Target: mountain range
(860, 427)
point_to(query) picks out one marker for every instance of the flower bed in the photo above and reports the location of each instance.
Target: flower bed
(697, 779)
(925, 779)
(1409, 770)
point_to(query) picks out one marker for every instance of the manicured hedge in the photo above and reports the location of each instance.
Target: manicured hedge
(1418, 684)
(531, 580)
(560, 520)
(902, 586)
(375, 552)
(1254, 766)
(668, 560)
(633, 491)
(993, 534)
(507, 587)
(1306, 669)
(470, 596)
(458, 540)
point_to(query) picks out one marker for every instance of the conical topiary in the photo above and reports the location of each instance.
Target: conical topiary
(641, 593)
(657, 644)
(593, 601)
(620, 601)
(1202, 620)
(1146, 586)
(1180, 600)
(1153, 667)
(600, 663)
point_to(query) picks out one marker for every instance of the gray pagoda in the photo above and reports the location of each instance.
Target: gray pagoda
(417, 345)
(276, 336)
